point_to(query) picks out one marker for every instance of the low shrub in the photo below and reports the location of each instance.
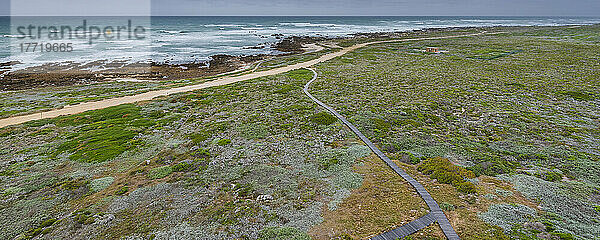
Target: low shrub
(563, 208)
(345, 236)
(328, 161)
(490, 54)
(244, 191)
(549, 176)
(100, 144)
(48, 223)
(445, 172)
(504, 193)
(464, 186)
(199, 137)
(563, 236)
(323, 118)
(201, 164)
(7, 173)
(223, 142)
(507, 216)
(493, 167)
(282, 233)
(285, 88)
(301, 74)
(84, 217)
(100, 184)
(408, 157)
(71, 184)
(202, 153)
(579, 96)
(253, 131)
(447, 206)
(104, 134)
(182, 167)
(160, 172)
(381, 125)
(122, 190)
(431, 165)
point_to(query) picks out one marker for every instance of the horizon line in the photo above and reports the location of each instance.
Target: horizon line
(301, 16)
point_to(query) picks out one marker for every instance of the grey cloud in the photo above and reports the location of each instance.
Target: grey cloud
(338, 7)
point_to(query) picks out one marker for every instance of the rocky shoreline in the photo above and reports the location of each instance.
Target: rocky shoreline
(70, 73)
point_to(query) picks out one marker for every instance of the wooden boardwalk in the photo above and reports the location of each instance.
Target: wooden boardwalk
(435, 210)
(407, 229)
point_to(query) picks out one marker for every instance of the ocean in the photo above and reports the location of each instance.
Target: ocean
(189, 39)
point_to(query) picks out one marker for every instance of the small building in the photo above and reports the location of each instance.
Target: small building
(432, 50)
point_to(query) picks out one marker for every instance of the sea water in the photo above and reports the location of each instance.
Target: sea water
(192, 39)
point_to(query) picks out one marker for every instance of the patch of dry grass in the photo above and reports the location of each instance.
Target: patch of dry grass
(383, 202)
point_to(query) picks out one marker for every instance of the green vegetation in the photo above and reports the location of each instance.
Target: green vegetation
(445, 172)
(447, 206)
(328, 161)
(323, 118)
(182, 167)
(223, 142)
(282, 233)
(508, 216)
(200, 137)
(160, 172)
(202, 153)
(43, 228)
(253, 131)
(285, 89)
(406, 157)
(538, 230)
(18, 102)
(302, 75)
(579, 96)
(100, 184)
(550, 176)
(122, 190)
(71, 184)
(48, 222)
(282, 61)
(100, 144)
(103, 134)
(84, 217)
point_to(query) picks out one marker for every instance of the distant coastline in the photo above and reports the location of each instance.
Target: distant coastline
(191, 39)
(61, 73)
(69, 73)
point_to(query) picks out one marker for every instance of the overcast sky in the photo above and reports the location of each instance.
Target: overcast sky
(302, 7)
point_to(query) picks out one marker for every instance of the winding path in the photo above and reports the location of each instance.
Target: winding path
(88, 106)
(435, 213)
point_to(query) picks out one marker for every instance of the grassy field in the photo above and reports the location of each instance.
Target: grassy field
(503, 131)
